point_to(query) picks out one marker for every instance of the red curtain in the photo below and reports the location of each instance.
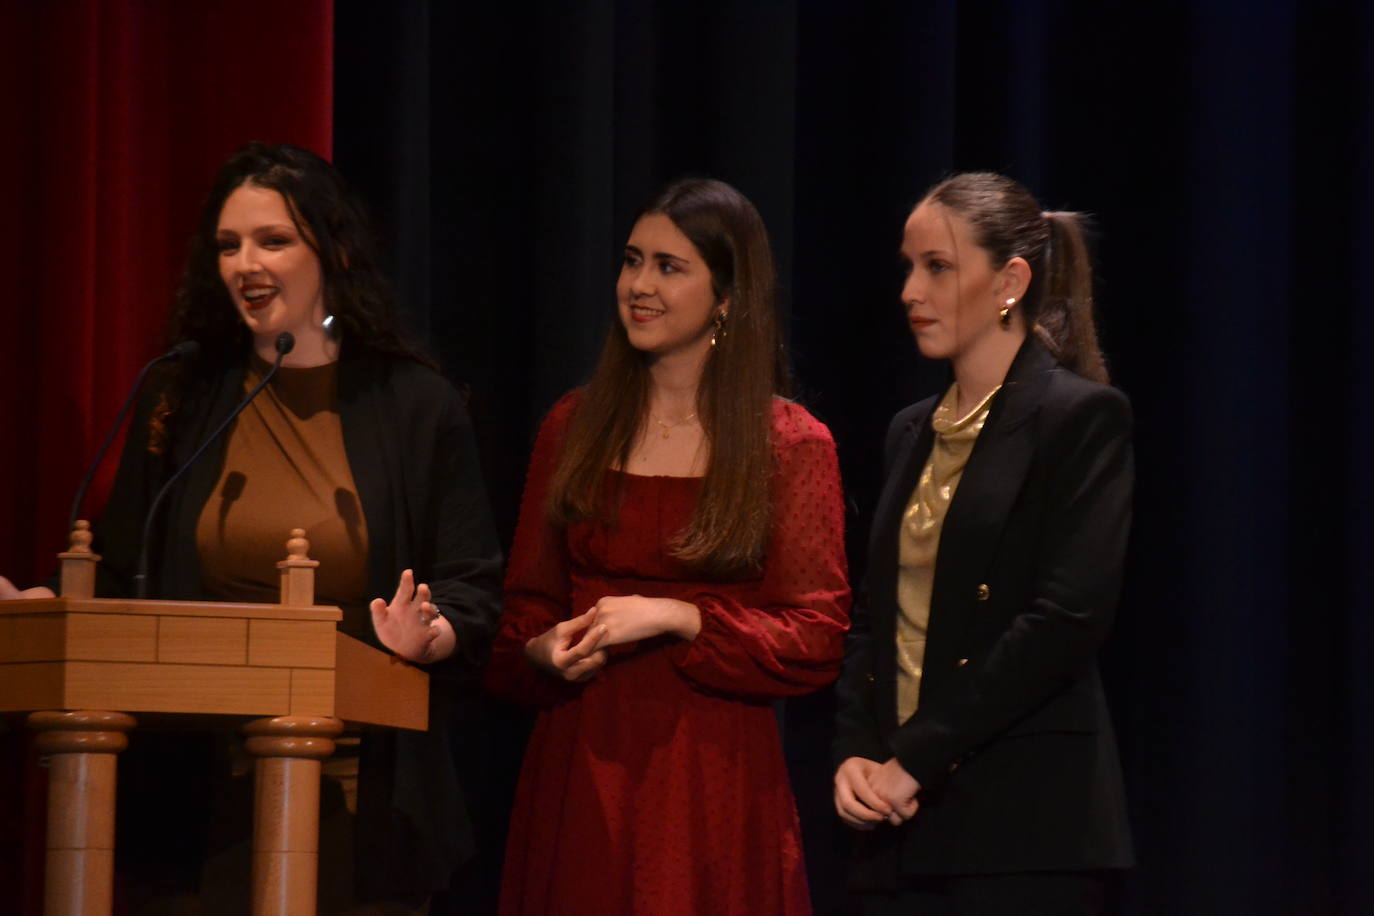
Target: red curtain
(116, 115)
(121, 112)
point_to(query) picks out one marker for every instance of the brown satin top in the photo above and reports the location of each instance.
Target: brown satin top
(285, 467)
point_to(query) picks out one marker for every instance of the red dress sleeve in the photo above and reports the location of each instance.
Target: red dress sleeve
(782, 636)
(537, 585)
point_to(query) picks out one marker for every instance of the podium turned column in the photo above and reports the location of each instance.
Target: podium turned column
(79, 878)
(288, 751)
(286, 816)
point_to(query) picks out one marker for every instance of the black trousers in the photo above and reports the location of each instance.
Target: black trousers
(1085, 893)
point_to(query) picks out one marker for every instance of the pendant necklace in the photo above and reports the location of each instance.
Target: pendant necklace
(669, 427)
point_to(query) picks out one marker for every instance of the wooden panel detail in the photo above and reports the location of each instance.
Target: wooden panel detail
(291, 643)
(35, 685)
(36, 638)
(312, 692)
(25, 606)
(219, 689)
(164, 608)
(202, 640)
(375, 688)
(112, 637)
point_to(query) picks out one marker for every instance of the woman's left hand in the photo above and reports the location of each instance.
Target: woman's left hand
(894, 785)
(630, 618)
(411, 626)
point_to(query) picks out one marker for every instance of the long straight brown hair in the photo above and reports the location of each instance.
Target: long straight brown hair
(728, 532)
(1008, 223)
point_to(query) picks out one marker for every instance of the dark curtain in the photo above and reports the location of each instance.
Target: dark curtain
(1224, 150)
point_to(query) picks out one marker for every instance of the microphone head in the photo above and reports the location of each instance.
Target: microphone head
(286, 341)
(186, 349)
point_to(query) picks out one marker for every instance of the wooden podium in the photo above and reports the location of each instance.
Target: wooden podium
(80, 665)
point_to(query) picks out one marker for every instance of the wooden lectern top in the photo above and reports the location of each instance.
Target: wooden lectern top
(201, 657)
(25, 606)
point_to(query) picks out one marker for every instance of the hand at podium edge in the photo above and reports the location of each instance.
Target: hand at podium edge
(8, 591)
(411, 626)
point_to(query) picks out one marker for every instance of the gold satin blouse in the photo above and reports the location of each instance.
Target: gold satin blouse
(918, 543)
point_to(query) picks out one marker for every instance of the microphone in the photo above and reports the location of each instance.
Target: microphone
(284, 344)
(187, 349)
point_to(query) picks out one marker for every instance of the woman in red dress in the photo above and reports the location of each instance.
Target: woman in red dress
(678, 564)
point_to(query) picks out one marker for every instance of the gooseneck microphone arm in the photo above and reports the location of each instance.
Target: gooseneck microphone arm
(285, 341)
(187, 349)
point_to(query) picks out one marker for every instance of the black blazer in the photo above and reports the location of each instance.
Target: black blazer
(1012, 743)
(414, 460)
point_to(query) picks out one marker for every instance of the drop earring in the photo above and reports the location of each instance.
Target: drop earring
(331, 327)
(718, 332)
(1004, 314)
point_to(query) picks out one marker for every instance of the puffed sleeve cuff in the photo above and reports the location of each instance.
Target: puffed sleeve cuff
(757, 654)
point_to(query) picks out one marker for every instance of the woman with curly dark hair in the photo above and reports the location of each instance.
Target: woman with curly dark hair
(358, 441)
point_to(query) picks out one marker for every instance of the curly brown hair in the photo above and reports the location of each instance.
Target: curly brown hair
(333, 223)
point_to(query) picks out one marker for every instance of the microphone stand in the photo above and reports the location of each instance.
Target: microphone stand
(285, 342)
(187, 349)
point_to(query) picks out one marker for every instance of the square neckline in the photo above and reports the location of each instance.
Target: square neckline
(656, 476)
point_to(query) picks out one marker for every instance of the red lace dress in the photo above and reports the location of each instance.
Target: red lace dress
(659, 787)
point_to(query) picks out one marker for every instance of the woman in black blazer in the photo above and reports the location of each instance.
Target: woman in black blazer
(974, 749)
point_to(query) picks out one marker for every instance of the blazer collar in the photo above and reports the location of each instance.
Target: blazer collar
(1027, 377)
(994, 475)
(992, 479)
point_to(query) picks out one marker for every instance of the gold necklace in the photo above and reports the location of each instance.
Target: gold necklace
(669, 427)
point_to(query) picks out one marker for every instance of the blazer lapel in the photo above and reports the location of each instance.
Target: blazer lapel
(989, 486)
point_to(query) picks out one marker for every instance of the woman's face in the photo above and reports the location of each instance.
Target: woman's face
(272, 274)
(952, 293)
(664, 293)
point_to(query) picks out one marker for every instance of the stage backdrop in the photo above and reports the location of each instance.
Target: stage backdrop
(117, 114)
(1226, 156)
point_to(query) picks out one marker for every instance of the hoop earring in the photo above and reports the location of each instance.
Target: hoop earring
(718, 332)
(1004, 314)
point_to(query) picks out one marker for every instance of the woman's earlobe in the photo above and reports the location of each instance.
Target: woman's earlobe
(1016, 277)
